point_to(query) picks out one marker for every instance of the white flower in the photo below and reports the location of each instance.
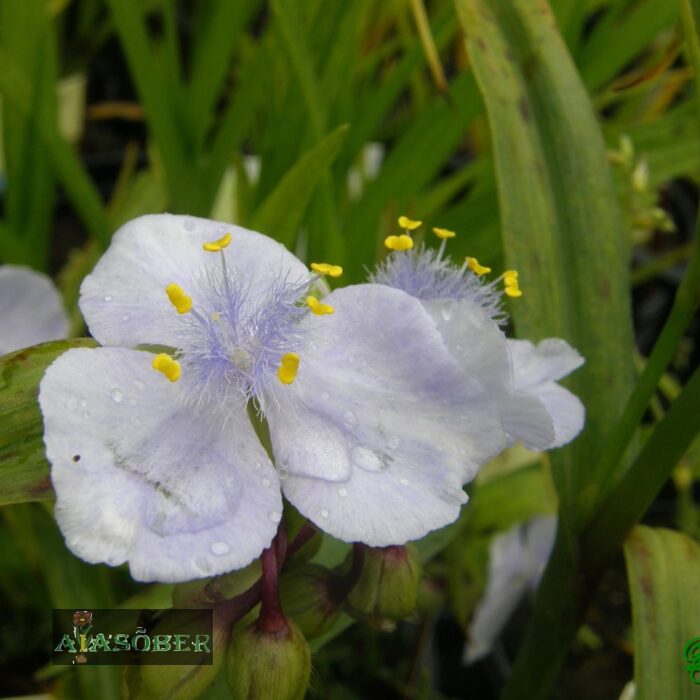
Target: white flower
(516, 561)
(373, 425)
(31, 310)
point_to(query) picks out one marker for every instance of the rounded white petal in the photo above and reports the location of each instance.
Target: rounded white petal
(140, 479)
(380, 428)
(482, 351)
(548, 361)
(31, 310)
(566, 411)
(124, 300)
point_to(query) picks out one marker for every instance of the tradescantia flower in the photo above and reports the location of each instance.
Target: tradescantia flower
(31, 310)
(373, 425)
(516, 561)
(520, 376)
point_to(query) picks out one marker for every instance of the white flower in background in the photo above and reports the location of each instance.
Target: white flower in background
(31, 310)
(516, 561)
(467, 311)
(373, 425)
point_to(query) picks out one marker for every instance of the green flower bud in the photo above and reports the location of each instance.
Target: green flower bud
(387, 588)
(184, 682)
(307, 597)
(265, 665)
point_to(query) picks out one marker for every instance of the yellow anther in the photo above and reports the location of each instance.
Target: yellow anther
(318, 307)
(477, 269)
(402, 242)
(289, 365)
(178, 298)
(444, 233)
(165, 364)
(510, 279)
(216, 246)
(327, 269)
(408, 224)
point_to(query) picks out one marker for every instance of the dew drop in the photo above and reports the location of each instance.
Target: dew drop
(139, 384)
(188, 225)
(324, 513)
(221, 230)
(86, 414)
(220, 548)
(447, 312)
(325, 396)
(274, 516)
(350, 419)
(83, 403)
(132, 402)
(265, 482)
(108, 297)
(342, 492)
(202, 563)
(453, 495)
(393, 442)
(258, 465)
(368, 459)
(117, 395)
(125, 317)
(283, 473)
(403, 482)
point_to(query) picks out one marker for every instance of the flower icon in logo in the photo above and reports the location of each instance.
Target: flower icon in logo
(82, 618)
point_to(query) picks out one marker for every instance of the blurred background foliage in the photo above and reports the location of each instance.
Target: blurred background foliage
(318, 123)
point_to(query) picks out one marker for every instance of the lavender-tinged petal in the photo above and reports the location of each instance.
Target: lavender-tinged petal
(140, 479)
(31, 310)
(565, 409)
(124, 300)
(376, 380)
(551, 360)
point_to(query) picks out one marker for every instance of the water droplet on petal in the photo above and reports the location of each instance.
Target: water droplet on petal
(369, 460)
(117, 395)
(258, 465)
(325, 396)
(203, 564)
(453, 495)
(132, 402)
(188, 224)
(83, 403)
(220, 548)
(86, 414)
(324, 513)
(274, 516)
(342, 492)
(394, 442)
(125, 317)
(283, 473)
(108, 297)
(139, 384)
(403, 482)
(265, 482)
(350, 419)
(447, 311)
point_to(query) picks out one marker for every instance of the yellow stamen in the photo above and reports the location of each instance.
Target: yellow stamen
(476, 268)
(408, 224)
(318, 307)
(510, 279)
(512, 290)
(402, 242)
(289, 365)
(327, 269)
(444, 233)
(178, 298)
(218, 245)
(165, 364)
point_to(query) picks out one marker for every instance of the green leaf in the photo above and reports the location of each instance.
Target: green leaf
(24, 471)
(281, 213)
(562, 227)
(663, 568)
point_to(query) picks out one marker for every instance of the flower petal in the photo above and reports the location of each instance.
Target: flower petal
(397, 426)
(525, 418)
(549, 361)
(140, 478)
(31, 310)
(124, 300)
(565, 409)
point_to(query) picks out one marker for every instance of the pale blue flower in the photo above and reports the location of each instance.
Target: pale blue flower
(467, 311)
(373, 425)
(516, 562)
(31, 310)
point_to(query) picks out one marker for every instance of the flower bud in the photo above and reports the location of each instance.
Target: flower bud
(273, 664)
(387, 588)
(184, 682)
(202, 593)
(307, 597)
